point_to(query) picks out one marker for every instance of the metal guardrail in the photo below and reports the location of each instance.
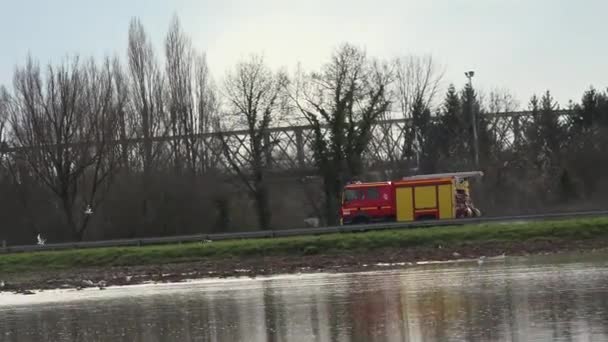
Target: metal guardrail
(294, 232)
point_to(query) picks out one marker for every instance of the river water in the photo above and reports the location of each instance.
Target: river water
(548, 298)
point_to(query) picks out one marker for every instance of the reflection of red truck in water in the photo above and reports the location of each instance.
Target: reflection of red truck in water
(422, 197)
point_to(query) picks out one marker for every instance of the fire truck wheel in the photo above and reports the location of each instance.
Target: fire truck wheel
(361, 220)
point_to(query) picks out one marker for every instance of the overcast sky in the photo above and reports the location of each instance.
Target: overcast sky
(526, 46)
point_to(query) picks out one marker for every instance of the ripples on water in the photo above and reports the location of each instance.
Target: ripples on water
(539, 299)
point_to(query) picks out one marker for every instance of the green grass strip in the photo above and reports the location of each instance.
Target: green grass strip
(575, 229)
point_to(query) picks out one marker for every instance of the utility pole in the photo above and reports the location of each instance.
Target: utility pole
(469, 75)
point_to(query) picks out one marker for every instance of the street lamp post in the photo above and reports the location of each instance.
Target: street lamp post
(469, 75)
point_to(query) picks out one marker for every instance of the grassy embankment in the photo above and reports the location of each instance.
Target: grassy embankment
(566, 230)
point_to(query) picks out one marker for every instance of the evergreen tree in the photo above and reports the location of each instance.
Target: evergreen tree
(450, 123)
(591, 113)
(471, 110)
(586, 113)
(423, 137)
(602, 112)
(551, 129)
(545, 139)
(450, 133)
(587, 139)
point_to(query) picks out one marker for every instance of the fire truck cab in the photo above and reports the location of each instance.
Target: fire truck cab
(421, 197)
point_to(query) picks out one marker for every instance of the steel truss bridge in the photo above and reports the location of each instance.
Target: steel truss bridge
(291, 147)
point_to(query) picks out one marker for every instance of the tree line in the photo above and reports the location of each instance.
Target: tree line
(69, 172)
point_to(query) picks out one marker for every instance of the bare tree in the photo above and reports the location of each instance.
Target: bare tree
(148, 109)
(501, 100)
(418, 79)
(4, 106)
(207, 106)
(192, 100)
(505, 132)
(147, 93)
(64, 121)
(179, 72)
(253, 95)
(125, 121)
(417, 82)
(4, 115)
(347, 97)
(4, 103)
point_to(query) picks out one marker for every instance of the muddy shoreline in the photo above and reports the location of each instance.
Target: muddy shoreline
(271, 265)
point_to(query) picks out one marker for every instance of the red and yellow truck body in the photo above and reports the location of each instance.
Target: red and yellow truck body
(422, 197)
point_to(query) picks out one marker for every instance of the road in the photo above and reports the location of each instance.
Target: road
(295, 232)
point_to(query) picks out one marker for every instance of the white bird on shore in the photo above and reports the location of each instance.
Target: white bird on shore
(40, 240)
(312, 222)
(2, 284)
(88, 283)
(480, 260)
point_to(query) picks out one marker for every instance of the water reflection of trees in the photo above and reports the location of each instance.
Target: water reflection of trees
(375, 308)
(504, 305)
(444, 304)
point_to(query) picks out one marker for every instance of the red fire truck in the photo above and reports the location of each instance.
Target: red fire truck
(421, 197)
